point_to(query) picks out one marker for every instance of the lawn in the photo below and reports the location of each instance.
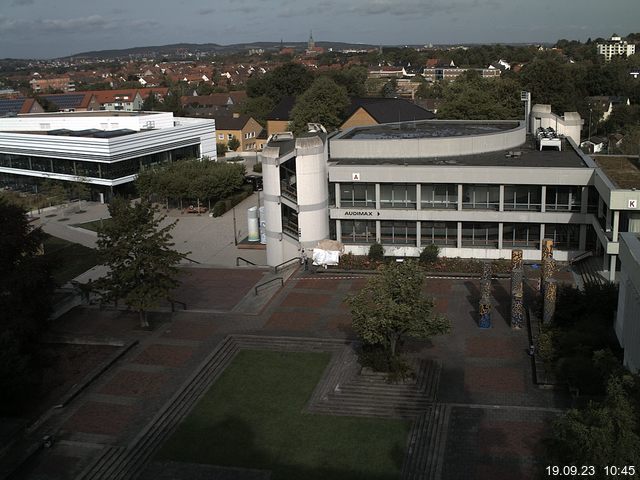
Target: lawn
(93, 225)
(254, 417)
(68, 259)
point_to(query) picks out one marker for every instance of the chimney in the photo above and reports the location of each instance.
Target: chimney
(236, 115)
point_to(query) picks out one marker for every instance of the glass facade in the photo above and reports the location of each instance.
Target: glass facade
(483, 235)
(443, 234)
(358, 231)
(565, 237)
(439, 196)
(105, 170)
(398, 233)
(566, 199)
(481, 197)
(288, 180)
(521, 235)
(398, 195)
(523, 197)
(358, 195)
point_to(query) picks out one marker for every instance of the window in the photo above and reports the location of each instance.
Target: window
(522, 197)
(565, 237)
(229, 136)
(394, 233)
(521, 235)
(481, 197)
(221, 136)
(289, 221)
(358, 231)
(439, 196)
(480, 235)
(357, 195)
(442, 234)
(563, 199)
(397, 195)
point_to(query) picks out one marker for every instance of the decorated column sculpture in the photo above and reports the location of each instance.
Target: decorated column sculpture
(485, 297)
(517, 289)
(549, 308)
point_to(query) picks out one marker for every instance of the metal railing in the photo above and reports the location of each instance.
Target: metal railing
(268, 282)
(580, 257)
(285, 264)
(248, 262)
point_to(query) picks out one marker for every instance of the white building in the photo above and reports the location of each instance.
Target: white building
(103, 149)
(627, 325)
(615, 46)
(477, 189)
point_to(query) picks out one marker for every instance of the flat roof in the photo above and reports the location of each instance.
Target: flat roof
(92, 113)
(526, 155)
(428, 129)
(623, 171)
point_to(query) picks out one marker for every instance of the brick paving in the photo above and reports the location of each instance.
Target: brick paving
(497, 414)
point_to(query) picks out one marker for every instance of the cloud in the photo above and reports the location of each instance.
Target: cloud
(93, 24)
(206, 11)
(21, 3)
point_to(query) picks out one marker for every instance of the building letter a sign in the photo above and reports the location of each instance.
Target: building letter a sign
(355, 177)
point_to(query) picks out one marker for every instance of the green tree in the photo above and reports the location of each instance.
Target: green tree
(234, 144)
(601, 434)
(142, 265)
(26, 289)
(258, 108)
(151, 103)
(290, 79)
(324, 102)
(392, 306)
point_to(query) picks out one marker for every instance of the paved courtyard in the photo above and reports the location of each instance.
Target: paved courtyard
(495, 415)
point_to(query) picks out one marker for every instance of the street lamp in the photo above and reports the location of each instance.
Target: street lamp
(590, 110)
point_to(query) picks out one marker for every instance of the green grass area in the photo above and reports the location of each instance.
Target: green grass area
(254, 417)
(93, 225)
(68, 259)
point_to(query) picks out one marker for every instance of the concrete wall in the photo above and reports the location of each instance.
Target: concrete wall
(627, 323)
(312, 188)
(428, 147)
(85, 120)
(568, 125)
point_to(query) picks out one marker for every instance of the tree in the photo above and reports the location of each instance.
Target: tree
(151, 103)
(601, 434)
(258, 108)
(290, 79)
(324, 102)
(26, 289)
(139, 255)
(233, 144)
(392, 306)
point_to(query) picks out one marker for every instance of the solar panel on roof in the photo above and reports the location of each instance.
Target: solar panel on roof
(11, 106)
(65, 101)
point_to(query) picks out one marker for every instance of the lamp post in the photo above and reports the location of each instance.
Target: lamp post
(590, 110)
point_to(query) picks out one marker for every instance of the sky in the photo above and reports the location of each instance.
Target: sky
(55, 28)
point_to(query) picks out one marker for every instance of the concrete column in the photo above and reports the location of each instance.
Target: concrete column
(612, 268)
(584, 203)
(543, 199)
(459, 196)
(339, 230)
(608, 219)
(582, 240)
(500, 231)
(616, 224)
(418, 197)
(377, 196)
(418, 234)
(501, 204)
(541, 236)
(459, 241)
(338, 199)
(605, 262)
(378, 232)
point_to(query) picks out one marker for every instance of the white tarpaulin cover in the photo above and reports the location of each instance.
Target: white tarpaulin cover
(325, 257)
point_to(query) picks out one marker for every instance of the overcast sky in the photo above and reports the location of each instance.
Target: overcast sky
(53, 28)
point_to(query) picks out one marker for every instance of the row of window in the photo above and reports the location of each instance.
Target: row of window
(475, 197)
(445, 234)
(82, 168)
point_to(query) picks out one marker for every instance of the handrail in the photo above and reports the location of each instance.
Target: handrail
(268, 282)
(275, 269)
(244, 260)
(173, 304)
(580, 257)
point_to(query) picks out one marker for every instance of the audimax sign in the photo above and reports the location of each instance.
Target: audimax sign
(361, 213)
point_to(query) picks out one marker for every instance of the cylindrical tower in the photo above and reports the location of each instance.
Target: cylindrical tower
(313, 193)
(271, 197)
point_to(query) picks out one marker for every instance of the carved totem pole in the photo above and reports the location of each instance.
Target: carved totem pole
(485, 300)
(517, 290)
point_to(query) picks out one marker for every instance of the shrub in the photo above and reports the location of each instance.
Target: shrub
(376, 252)
(222, 206)
(258, 167)
(429, 254)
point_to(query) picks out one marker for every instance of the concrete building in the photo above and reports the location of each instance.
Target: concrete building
(615, 46)
(627, 324)
(476, 189)
(103, 149)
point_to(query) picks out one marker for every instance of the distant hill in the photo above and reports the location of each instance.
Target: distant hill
(208, 48)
